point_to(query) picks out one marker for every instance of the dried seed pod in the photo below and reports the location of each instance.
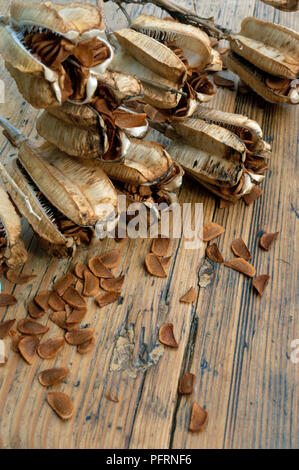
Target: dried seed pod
(211, 230)
(98, 268)
(34, 310)
(31, 327)
(61, 404)
(64, 283)
(42, 299)
(7, 299)
(87, 346)
(160, 246)
(107, 298)
(18, 278)
(214, 254)
(76, 337)
(27, 348)
(240, 249)
(239, 264)
(260, 283)
(91, 284)
(79, 270)
(55, 302)
(5, 327)
(186, 383)
(112, 285)
(111, 259)
(154, 266)
(50, 348)
(284, 5)
(189, 297)
(166, 336)
(50, 377)
(199, 418)
(267, 239)
(74, 299)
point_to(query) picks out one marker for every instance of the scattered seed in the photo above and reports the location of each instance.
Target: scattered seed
(7, 299)
(111, 396)
(79, 270)
(160, 246)
(59, 318)
(166, 336)
(240, 249)
(211, 230)
(76, 337)
(107, 298)
(199, 418)
(5, 327)
(165, 261)
(189, 297)
(42, 299)
(91, 284)
(219, 80)
(267, 239)
(112, 285)
(76, 316)
(31, 327)
(50, 348)
(214, 254)
(18, 278)
(61, 404)
(56, 303)
(154, 266)
(27, 347)
(74, 299)
(241, 265)
(260, 283)
(34, 310)
(15, 338)
(253, 195)
(87, 346)
(111, 259)
(79, 286)
(98, 268)
(186, 383)
(50, 377)
(64, 283)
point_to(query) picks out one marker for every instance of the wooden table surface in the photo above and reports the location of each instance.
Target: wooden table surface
(237, 344)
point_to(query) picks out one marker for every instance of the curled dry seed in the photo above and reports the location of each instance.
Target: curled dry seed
(79, 270)
(27, 348)
(112, 285)
(239, 264)
(166, 336)
(31, 327)
(87, 346)
(107, 298)
(50, 348)
(50, 377)
(219, 80)
(252, 196)
(211, 230)
(199, 418)
(55, 302)
(7, 299)
(214, 254)
(76, 337)
(267, 239)
(111, 396)
(61, 404)
(91, 284)
(42, 299)
(186, 383)
(240, 249)
(74, 299)
(99, 269)
(34, 310)
(18, 278)
(260, 283)
(5, 327)
(76, 316)
(160, 246)
(64, 283)
(111, 259)
(154, 266)
(189, 297)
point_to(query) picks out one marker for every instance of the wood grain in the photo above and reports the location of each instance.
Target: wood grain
(237, 345)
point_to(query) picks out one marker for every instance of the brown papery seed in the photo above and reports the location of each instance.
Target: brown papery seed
(240, 249)
(199, 418)
(111, 259)
(56, 303)
(91, 284)
(186, 383)
(64, 283)
(50, 377)
(242, 266)
(211, 230)
(252, 196)
(76, 316)
(111, 396)
(59, 318)
(76, 337)
(160, 246)
(87, 346)
(166, 336)
(61, 404)
(79, 286)
(219, 80)
(15, 338)
(42, 299)
(34, 310)
(98, 268)
(27, 347)
(260, 283)
(79, 270)
(214, 254)
(165, 261)
(112, 285)
(5, 327)
(50, 348)
(189, 297)
(267, 239)
(18, 278)
(31, 327)
(107, 298)
(154, 266)
(74, 299)
(7, 299)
